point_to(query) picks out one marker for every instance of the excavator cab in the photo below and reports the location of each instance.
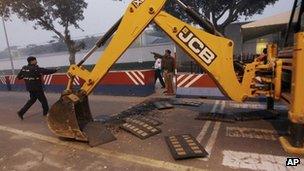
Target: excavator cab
(70, 116)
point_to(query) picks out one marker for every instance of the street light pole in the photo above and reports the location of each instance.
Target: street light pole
(8, 47)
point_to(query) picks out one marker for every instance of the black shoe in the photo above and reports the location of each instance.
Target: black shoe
(20, 115)
(45, 114)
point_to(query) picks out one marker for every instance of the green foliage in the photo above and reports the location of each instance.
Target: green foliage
(48, 14)
(221, 12)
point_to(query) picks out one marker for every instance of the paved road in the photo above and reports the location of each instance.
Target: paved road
(29, 145)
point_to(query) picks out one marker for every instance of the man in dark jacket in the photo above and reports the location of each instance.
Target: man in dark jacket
(32, 75)
(168, 65)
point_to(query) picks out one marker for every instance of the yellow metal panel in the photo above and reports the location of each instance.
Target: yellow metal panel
(278, 80)
(137, 17)
(296, 113)
(213, 53)
(278, 68)
(272, 50)
(289, 148)
(81, 72)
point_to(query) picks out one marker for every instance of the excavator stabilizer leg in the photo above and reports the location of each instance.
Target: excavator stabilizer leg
(294, 143)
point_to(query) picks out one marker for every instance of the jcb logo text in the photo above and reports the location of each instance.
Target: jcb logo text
(197, 46)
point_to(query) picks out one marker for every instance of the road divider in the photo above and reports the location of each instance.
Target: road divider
(196, 85)
(120, 83)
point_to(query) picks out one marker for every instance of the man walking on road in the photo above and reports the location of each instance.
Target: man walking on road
(158, 71)
(32, 75)
(168, 65)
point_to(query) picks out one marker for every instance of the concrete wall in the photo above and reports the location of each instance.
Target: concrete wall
(61, 59)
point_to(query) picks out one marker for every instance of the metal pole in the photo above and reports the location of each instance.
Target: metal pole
(8, 47)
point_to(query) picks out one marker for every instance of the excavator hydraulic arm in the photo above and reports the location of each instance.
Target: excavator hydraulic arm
(214, 53)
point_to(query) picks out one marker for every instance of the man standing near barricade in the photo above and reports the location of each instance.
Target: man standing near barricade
(158, 70)
(168, 66)
(32, 75)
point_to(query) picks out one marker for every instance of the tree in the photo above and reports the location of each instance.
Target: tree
(57, 16)
(221, 12)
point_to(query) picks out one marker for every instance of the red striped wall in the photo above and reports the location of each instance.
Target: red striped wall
(136, 78)
(194, 80)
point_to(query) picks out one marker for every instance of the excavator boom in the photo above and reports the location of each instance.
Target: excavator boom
(214, 53)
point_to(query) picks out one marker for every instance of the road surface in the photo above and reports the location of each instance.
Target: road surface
(29, 145)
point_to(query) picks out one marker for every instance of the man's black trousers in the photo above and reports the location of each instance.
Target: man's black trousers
(34, 95)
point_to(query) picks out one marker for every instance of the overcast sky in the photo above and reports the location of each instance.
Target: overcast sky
(99, 16)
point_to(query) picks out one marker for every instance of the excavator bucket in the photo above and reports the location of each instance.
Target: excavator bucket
(70, 117)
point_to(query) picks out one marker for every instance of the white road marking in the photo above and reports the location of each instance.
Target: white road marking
(254, 161)
(223, 106)
(257, 106)
(202, 134)
(251, 133)
(207, 124)
(214, 134)
(213, 137)
(215, 106)
(103, 152)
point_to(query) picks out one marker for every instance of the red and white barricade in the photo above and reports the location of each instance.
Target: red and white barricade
(196, 85)
(129, 83)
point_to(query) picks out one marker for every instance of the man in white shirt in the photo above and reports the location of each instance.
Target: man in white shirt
(158, 71)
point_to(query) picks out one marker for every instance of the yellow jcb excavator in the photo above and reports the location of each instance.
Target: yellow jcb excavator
(70, 115)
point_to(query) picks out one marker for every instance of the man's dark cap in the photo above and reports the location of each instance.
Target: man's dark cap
(30, 59)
